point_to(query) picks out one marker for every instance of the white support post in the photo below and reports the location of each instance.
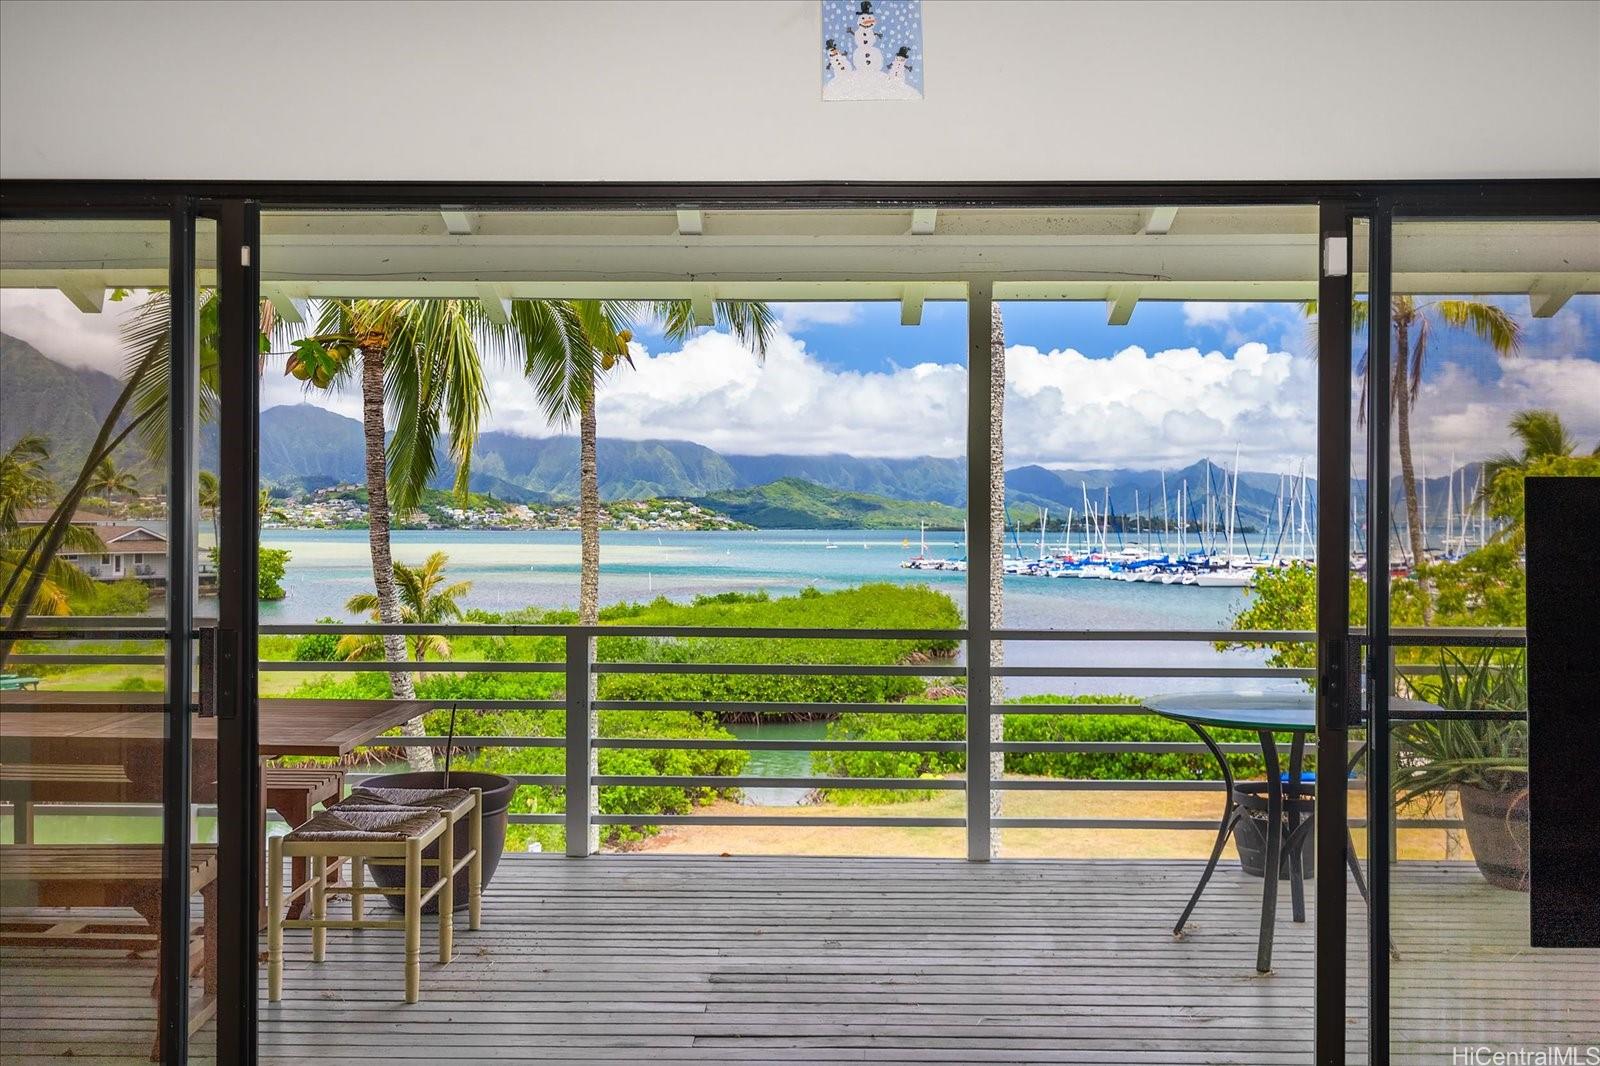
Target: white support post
(582, 833)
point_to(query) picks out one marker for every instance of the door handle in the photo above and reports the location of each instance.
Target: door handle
(218, 662)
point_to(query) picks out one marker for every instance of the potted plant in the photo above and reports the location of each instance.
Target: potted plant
(1484, 759)
(498, 790)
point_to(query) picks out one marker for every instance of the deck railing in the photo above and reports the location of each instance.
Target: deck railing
(580, 743)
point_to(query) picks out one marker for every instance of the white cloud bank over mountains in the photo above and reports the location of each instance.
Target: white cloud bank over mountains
(1134, 408)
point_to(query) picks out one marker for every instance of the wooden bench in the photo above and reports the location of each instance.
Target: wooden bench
(24, 784)
(292, 791)
(113, 875)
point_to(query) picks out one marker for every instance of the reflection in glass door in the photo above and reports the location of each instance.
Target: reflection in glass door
(104, 907)
(1488, 371)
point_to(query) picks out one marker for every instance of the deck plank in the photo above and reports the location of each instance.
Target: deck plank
(682, 959)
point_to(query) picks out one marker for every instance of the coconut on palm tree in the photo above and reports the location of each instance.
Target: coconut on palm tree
(425, 599)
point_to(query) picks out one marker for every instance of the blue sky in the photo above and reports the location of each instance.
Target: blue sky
(1179, 381)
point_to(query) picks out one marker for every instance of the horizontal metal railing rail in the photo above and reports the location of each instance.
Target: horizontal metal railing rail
(580, 643)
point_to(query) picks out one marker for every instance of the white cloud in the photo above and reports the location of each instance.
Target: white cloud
(1216, 312)
(1462, 417)
(48, 320)
(796, 318)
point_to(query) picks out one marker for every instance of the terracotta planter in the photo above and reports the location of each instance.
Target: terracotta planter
(1497, 829)
(497, 793)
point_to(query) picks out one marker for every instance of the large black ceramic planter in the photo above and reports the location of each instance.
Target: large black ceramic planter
(497, 793)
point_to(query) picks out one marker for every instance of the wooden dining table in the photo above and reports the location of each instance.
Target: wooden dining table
(129, 729)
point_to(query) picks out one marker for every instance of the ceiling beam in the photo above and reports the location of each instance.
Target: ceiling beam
(1549, 295)
(289, 306)
(704, 307)
(457, 223)
(497, 307)
(691, 222)
(911, 298)
(86, 291)
(1158, 221)
(924, 220)
(1120, 302)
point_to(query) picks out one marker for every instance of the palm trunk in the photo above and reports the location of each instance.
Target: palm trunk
(1408, 475)
(589, 567)
(394, 644)
(997, 546)
(588, 515)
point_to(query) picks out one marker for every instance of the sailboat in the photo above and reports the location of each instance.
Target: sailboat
(1231, 575)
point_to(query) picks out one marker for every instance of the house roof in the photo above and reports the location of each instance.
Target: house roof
(37, 516)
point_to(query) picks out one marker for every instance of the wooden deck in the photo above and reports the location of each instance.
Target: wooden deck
(657, 959)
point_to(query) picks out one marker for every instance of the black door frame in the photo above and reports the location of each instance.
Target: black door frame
(236, 207)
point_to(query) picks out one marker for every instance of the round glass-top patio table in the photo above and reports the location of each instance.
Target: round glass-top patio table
(1292, 713)
(1267, 714)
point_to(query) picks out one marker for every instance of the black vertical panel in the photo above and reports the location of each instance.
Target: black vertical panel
(239, 770)
(1380, 682)
(175, 830)
(1563, 700)
(1333, 634)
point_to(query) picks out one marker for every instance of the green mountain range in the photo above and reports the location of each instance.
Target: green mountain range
(794, 503)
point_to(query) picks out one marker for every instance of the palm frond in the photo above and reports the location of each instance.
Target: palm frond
(1490, 323)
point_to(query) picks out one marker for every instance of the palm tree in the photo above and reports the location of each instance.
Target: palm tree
(110, 482)
(424, 600)
(24, 483)
(425, 358)
(210, 499)
(607, 329)
(1543, 437)
(1413, 325)
(146, 336)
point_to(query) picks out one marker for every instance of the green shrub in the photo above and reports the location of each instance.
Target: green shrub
(1078, 727)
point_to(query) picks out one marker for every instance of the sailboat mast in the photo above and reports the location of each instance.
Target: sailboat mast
(1166, 530)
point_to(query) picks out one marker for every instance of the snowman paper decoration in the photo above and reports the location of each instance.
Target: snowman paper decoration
(866, 55)
(865, 72)
(898, 65)
(837, 62)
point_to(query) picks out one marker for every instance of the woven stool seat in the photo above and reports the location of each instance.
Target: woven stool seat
(372, 823)
(437, 799)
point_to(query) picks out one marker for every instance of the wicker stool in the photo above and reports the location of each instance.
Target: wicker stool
(374, 834)
(455, 804)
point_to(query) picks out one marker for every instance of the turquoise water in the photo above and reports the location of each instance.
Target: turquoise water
(513, 570)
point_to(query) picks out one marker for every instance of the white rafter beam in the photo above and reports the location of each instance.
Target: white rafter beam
(86, 291)
(924, 220)
(1120, 302)
(289, 306)
(1549, 295)
(691, 222)
(911, 298)
(704, 307)
(457, 223)
(1158, 221)
(497, 307)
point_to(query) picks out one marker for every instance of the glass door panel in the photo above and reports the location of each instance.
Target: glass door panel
(1493, 370)
(86, 852)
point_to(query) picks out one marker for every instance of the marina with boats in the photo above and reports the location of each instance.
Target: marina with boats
(1198, 540)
